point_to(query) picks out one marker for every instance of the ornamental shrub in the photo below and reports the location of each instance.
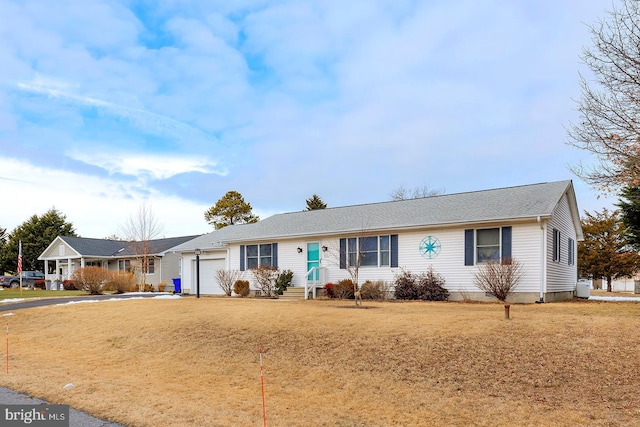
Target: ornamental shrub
(428, 286)
(329, 290)
(374, 290)
(405, 284)
(121, 282)
(39, 284)
(431, 286)
(344, 289)
(283, 281)
(241, 288)
(69, 285)
(91, 279)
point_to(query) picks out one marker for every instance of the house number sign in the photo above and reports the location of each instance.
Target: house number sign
(430, 247)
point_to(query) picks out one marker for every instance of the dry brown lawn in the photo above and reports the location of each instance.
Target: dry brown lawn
(190, 362)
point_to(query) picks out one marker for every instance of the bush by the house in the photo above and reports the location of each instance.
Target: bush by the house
(121, 282)
(344, 289)
(428, 286)
(227, 278)
(264, 277)
(69, 285)
(283, 281)
(91, 279)
(374, 289)
(329, 290)
(162, 286)
(405, 284)
(431, 286)
(241, 288)
(148, 287)
(39, 284)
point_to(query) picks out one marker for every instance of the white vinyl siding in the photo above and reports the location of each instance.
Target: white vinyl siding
(561, 276)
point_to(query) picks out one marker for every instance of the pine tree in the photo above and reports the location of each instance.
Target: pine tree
(230, 209)
(315, 202)
(36, 235)
(630, 210)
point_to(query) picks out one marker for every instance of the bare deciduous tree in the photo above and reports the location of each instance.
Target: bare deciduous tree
(499, 278)
(402, 193)
(609, 124)
(226, 279)
(140, 229)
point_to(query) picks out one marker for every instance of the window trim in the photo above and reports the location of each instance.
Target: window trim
(350, 248)
(477, 246)
(259, 258)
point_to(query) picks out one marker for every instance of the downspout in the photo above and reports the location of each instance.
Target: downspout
(542, 260)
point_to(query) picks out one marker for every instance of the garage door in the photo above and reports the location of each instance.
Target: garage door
(208, 283)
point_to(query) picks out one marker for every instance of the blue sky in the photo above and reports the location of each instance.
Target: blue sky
(105, 105)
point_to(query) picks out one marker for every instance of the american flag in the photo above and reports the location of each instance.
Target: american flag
(20, 258)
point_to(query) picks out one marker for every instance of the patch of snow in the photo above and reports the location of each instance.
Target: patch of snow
(598, 298)
(68, 386)
(7, 300)
(8, 314)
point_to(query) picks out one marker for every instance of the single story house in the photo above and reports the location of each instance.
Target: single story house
(537, 224)
(67, 254)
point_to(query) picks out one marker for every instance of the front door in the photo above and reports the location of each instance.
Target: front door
(313, 260)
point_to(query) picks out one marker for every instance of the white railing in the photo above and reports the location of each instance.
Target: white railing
(315, 284)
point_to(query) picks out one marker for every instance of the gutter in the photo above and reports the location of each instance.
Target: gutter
(543, 235)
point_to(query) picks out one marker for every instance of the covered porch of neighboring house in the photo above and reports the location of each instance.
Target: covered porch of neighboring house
(62, 269)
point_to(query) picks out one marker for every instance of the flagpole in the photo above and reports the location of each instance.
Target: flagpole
(20, 266)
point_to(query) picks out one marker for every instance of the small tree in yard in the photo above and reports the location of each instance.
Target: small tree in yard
(227, 278)
(265, 278)
(91, 279)
(499, 278)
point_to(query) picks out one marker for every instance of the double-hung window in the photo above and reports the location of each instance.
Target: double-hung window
(124, 265)
(251, 256)
(369, 251)
(487, 244)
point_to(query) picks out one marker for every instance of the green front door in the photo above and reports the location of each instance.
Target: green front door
(313, 260)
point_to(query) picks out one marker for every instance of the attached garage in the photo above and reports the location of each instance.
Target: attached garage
(208, 283)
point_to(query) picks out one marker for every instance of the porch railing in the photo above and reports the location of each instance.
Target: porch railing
(314, 284)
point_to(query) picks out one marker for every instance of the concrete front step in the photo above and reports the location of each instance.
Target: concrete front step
(293, 293)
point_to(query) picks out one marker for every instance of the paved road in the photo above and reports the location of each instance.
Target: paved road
(39, 302)
(76, 418)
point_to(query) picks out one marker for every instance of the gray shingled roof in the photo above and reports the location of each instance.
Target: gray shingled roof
(112, 248)
(511, 203)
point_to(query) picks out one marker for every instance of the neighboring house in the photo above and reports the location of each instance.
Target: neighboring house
(66, 254)
(537, 224)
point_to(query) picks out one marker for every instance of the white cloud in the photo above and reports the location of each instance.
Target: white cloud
(145, 165)
(97, 207)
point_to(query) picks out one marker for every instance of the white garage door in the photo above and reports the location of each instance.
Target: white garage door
(208, 283)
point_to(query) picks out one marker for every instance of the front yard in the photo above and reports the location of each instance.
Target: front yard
(195, 362)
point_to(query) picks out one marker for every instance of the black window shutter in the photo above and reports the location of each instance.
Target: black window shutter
(343, 253)
(394, 250)
(274, 255)
(506, 243)
(241, 257)
(468, 247)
